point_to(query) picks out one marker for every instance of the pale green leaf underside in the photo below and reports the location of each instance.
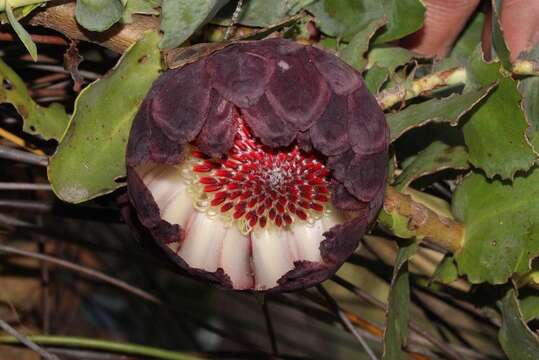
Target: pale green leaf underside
(49, 122)
(92, 153)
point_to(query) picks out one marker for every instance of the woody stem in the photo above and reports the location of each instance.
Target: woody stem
(420, 222)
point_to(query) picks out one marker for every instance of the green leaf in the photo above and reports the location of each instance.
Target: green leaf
(469, 38)
(498, 40)
(354, 52)
(19, 12)
(495, 132)
(446, 272)
(382, 63)
(390, 57)
(396, 224)
(92, 153)
(375, 77)
(398, 314)
(181, 18)
(435, 157)
(449, 109)
(298, 5)
(516, 339)
(344, 18)
(263, 13)
(21, 32)
(146, 7)
(502, 226)
(404, 17)
(529, 89)
(530, 307)
(50, 122)
(98, 15)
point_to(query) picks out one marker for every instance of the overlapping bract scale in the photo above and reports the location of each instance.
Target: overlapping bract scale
(287, 93)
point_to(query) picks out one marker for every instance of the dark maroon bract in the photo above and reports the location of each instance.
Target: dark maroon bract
(260, 166)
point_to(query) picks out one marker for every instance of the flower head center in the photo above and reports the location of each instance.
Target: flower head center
(276, 178)
(256, 186)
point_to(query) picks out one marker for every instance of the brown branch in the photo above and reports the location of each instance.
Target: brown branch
(61, 17)
(423, 222)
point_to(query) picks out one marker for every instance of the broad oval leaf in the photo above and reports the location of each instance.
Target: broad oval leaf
(529, 89)
(146, 7)
(435, 157)
(498, 40)
(344, 18)
(354, 52)
(529, 304)
(390, 57)
(468, 39)
(383, 61)
(181, 18)
(98, 15)
(265, 13)
(404, 18)
(502, 226)
(92, 154)
(517, 340)
(495, 133)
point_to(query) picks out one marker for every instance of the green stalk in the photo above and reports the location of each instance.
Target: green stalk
(103, 345)
(406, 91)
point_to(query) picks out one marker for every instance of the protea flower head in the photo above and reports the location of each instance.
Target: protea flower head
(260, 166)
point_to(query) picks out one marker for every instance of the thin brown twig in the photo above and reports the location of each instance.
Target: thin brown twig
(346, 322)
(47, 92)
(83, 270)
(26, 342)
(368, 298)
(49, 78)
(25, 205)
(37, 38)
(45, 280)
(363, 295)
(14, 139)
(60, 69)
(23, 186)
(22, 156)
(90, 213)
(124, 286)
(10, 221)
(235, 17)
